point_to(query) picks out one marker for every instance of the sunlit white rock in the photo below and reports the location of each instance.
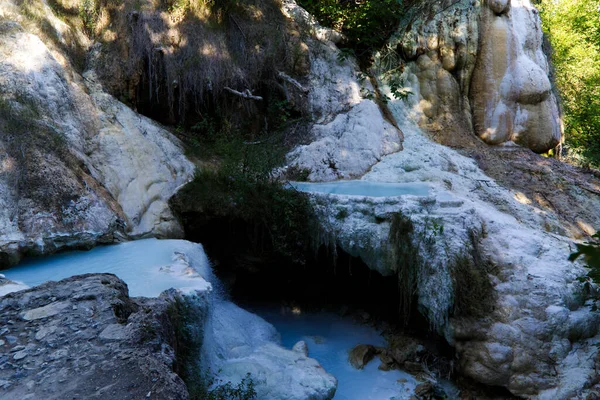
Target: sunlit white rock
(349, 133)
(115, 172)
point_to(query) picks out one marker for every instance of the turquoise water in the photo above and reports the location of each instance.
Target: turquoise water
(330, 338)
(138, 263)
(144, 265)
(363, 188)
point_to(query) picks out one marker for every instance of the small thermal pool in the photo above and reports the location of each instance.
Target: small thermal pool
(138, 263)
(330, 338)
(363, 188)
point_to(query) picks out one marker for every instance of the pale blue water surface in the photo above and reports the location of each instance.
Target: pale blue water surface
(363, 188)
(138, 263)
(330, 338)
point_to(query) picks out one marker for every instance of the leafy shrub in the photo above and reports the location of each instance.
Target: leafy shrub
(366, 24)
(573, 29)
(240, 189)
(590, 251)
(88, 13)
(228, 391)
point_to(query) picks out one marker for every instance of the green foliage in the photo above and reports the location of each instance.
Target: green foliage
(241, 188)
(227, 391)
(390, 67)
(397, 86)
(366, 24)
(573, 28)
(279, 114)
(298, 174)
(590, 251)
(185, 6)
(88, 12)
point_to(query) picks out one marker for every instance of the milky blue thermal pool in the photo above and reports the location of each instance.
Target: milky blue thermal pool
(363, 188)
(330, 338)
(151, 266)
(138, 263)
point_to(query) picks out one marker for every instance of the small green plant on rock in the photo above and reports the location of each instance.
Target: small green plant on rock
(245, 390)
(88, 12)
(590, 251)
(298, 174)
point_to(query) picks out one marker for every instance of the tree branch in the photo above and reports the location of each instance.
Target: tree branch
(246, 94)
(292, 81)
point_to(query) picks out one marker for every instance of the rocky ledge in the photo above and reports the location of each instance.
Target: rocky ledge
(85, 338)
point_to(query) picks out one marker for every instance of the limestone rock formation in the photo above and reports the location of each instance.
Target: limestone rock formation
(77, 166)
(434, 52)
(84, 337)
(477, 67)
(461, 76)
(350, 132)
(524, 339)
(511, 94)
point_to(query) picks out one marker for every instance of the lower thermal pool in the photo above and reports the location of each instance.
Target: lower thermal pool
(148, 266)
(363, 188)
(151, 266)
(330, 338)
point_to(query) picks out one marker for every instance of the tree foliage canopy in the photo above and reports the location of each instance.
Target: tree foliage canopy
(573, 28)
(367, 24)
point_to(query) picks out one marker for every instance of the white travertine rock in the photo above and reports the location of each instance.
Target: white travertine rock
(86, 166)
(510, 91)
(349, 133)
(347, 146)
(140, 164)
(237, 342)
(436, 56)
(48, 200)
(478, 66)
(538, 327)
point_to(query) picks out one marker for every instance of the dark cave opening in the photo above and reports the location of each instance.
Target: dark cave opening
(341, 284)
